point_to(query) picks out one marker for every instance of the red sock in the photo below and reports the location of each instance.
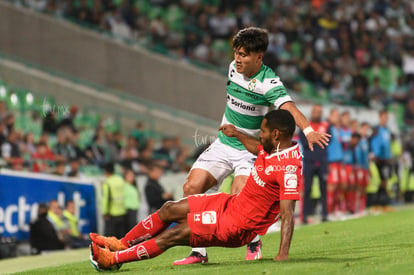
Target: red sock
(342, 201)
(143, 251)
(362, 202)
(144, 230)
(350, 197)
(330, 200)
(354, 200)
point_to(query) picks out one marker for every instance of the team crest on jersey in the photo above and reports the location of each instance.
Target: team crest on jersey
(252, 84)
(291, 169)
(209, 217)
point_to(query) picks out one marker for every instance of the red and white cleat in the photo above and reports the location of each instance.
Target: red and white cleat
(194, 258)
(254, 251)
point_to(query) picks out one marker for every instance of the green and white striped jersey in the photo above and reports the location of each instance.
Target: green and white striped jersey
(249, 99)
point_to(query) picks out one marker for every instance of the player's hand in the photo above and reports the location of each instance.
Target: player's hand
(281, 257)
(229, 130)
(319, 138)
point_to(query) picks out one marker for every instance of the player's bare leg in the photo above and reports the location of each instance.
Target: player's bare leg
(198, 182)
(238, 184)
(177, 235)
(254, 251)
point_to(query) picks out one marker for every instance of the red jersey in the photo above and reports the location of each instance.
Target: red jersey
(273, 178)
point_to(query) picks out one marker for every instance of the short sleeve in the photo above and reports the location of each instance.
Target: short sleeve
(276, 93)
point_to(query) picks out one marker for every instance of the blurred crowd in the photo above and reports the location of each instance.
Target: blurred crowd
(364, 166)
(57, 149)
(349, 51)
(56, 228)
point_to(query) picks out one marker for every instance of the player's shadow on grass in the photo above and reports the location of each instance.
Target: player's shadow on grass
(327, 260)
(292, 260)
(367, 248)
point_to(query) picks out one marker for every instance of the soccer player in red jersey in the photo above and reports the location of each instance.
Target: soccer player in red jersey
(221, 219)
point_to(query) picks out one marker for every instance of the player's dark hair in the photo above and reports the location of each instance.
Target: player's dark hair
(251, 39)
(281, 120)
(109, 167)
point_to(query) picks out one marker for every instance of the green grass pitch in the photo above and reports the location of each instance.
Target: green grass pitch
(381, 244)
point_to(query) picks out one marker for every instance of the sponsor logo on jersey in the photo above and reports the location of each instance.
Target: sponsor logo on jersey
(295, 154)
(209, 217)
(291, 169)
(240, 105)
(252, 84)
(269, 169)
(256, 177)
(291, 181)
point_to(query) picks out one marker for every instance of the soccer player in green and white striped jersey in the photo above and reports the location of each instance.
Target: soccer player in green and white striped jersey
(252, 89)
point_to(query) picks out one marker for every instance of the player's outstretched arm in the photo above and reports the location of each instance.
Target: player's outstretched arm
(250, 143)
(287, 211)
(312, 136)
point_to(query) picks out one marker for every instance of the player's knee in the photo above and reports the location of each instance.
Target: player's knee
(177, 235)
(192, 188)
(165, 211)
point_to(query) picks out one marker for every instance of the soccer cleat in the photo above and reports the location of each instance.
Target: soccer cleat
(254, 251)
(102, 258)
(110, 242)
(194, 258)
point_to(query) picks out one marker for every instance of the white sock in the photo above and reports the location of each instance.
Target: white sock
(256, 239)
(201, 250)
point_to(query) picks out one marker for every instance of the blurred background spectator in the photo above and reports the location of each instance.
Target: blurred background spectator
(113, 202)
(132, 199)
(43, 236)
(75, 238)
(154, 192)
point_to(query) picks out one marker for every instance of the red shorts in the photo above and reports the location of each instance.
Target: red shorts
(362, 177)
(211, 225)
(334, 170)
(347, 175)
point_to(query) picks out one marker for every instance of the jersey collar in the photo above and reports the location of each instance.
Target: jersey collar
(294, 146)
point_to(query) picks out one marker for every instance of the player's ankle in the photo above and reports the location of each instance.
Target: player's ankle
(124, 242)
(201, 251)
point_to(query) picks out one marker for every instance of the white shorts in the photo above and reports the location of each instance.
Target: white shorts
(221, 160)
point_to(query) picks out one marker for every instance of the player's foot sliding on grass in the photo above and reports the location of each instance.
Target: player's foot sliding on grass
(220, 219)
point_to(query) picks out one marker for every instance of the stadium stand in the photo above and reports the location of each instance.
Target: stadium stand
(324, 48)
